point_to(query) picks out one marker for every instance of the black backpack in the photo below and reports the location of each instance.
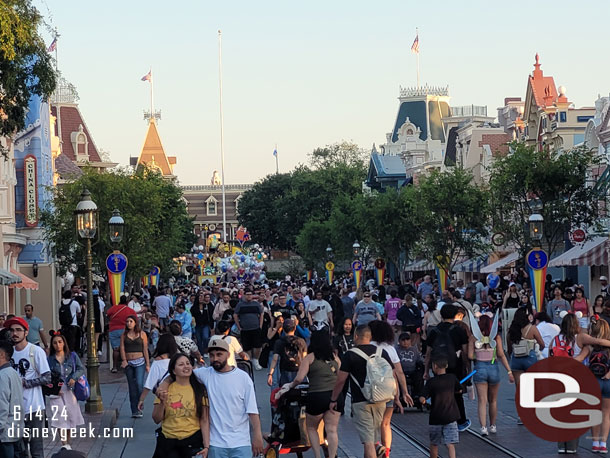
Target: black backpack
(443, 346)
(599, 363)
(65, 314)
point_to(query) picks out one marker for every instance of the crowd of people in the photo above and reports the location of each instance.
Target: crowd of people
(378, 349)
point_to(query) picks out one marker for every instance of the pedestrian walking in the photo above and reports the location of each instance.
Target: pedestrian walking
(321, 367)
(165, 349)
(30, 362)
(134, 356)
(11, 398)
(69, 314)
(183, 411)
(288, 353)
(203, 311)
(117, 315)
(162, 305)
(63, 410)
(36, 333)
(320, 313)
(366, 310)
(248, 318)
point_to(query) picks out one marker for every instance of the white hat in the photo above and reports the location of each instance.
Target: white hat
(603, 277)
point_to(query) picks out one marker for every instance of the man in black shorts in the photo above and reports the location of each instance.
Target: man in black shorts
(249, 320)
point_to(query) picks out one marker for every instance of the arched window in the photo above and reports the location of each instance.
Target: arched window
(211, 206)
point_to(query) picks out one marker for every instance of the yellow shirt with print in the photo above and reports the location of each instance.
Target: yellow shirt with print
(180, 420)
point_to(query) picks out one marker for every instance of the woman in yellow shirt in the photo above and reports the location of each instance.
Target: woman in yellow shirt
(183, 412)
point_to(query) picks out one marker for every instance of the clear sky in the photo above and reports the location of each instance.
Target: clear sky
(306, 74)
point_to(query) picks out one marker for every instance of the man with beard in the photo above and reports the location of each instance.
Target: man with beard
(232, 405)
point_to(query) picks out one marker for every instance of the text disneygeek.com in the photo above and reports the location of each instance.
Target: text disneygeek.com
(63, 434)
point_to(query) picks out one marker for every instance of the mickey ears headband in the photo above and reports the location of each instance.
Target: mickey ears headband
(563, 313)
(53, 333)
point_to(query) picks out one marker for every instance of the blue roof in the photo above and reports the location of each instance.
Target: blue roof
(388, 166)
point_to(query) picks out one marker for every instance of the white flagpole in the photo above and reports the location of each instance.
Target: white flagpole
(152, 100)
(222, 150)
(277, 163)
(417, 37)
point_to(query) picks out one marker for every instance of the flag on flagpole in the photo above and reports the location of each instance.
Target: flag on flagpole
(275, 152)
(415, 46)
(53, 45)
(148, 76)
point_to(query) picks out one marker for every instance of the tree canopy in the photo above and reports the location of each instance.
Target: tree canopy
(25, 65)
(553, 184)
(157, 225)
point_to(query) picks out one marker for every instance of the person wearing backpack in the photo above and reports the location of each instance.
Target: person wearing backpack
(70, 369)
(69, 312)
(30, 362)
(599, 364)
(289, 350)
(366, 366)
(450, 342)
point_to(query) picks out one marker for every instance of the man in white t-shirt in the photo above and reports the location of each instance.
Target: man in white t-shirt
(320, 312)
(222, 332)
(30, 362)
(232, 405)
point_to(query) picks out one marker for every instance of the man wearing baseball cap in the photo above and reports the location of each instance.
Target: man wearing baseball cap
(604, 281)
(232, 405)
(30, 362)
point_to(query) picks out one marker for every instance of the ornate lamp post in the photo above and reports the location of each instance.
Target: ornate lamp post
(329, 252)
(356, 249)
(116, 224)
(536, 225)
(86, 226)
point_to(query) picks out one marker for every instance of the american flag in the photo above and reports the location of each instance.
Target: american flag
(415, 45)
(53, 45)
(148, 76)
(275, 152)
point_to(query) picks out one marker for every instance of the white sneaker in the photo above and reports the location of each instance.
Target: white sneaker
(66, 447)
(257, 366)
(484, 431)
(493, 429)
(99, 353)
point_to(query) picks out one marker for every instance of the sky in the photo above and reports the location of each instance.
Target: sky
(305, 74)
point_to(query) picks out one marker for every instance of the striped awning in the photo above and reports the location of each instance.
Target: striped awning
(25, 282)
(7, 278)
(471, 265)
(594, 252)
(420, 266)
(500, 263)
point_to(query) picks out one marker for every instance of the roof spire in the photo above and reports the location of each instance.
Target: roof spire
(537, 71)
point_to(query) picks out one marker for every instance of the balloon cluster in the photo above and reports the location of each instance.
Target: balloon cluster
(245, 265)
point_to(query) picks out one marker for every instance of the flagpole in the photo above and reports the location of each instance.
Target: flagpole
(222, 150)
(417, 35)
(277, 163)
(152, 100)
(56, 63)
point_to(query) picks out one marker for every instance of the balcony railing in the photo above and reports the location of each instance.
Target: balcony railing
(469, 110)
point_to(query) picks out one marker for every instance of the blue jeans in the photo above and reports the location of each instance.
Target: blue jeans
(604, 385)
(276, 373)
(486, 372)
(287, 377)
(237, 452)
(202, 336)
(523, 363)
(135, 381)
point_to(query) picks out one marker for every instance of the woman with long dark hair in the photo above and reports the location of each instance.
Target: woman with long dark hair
(166, 348)
(134, 356)
(68, 365)
(522, 339)
(344, 340)
(321, 367)
(581, 304)
(183, 411)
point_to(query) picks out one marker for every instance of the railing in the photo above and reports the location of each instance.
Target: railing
(424, 90)
(210, 187)
(469, 110)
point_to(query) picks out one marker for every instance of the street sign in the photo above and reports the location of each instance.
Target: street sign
(577, 236)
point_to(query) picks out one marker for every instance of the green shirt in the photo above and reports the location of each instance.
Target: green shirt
(35, 326)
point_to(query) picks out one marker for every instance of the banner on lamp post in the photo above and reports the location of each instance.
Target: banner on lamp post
(357, 270)
(155, 274)
(330, 272)
(116, 264)
(537, 263)
(379, 271)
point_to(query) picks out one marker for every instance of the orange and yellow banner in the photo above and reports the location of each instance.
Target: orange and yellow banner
(379, 271)
(357, 270)
(116, 264)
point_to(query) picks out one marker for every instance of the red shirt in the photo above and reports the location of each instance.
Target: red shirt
(118, 314)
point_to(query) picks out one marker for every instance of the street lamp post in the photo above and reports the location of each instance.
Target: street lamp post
(536, 226)
(537, 259)
(356, 249)
(329, 252)
(116, 224)
(86, 226)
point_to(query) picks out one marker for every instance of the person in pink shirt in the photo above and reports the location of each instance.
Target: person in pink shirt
(391, 307)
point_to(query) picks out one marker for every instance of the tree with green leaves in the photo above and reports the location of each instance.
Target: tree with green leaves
(25, 65)
(452, 215)
(345, 153)
(157, 225)
(551, 183)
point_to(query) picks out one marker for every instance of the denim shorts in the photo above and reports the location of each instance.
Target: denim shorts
(486, 373)
(604, 384)
(444, 434)
(115, 338)
(524, 362)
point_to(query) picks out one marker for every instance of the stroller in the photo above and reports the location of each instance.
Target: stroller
(288, 428)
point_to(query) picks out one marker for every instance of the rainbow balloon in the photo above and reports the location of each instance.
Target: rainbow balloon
(537, 263)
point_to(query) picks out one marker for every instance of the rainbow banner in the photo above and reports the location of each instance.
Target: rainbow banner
(145, 281)
(357, 270)
(309, 275)
(330, 272)
(379, 271)
(442, 274)
(116, 263)
(154, 275)
(537, 262)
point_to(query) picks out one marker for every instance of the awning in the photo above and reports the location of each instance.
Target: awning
(7, 278)
(593, 253)
(25, 281)
(420, 266)
(471, 265)
(500, 263)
